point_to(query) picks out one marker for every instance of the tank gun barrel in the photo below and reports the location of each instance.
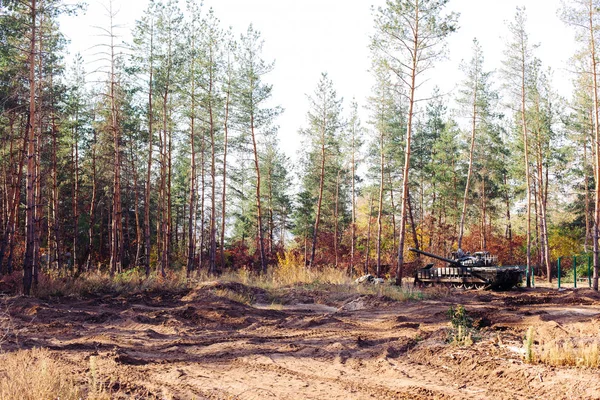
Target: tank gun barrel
(434, 256)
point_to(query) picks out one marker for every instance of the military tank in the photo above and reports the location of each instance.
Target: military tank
(479, 270)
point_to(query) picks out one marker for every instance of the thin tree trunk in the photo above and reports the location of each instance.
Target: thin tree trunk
(192, 198)
(263, 261)
(597, 145)
(380, 206)
(164, 178)
(527, 177)
(38, 164)
(508, 221)
(76, 265)
(413, 226)
(270, 200)
(28, 263)
(471, 151)
(394, 237)
(405, 172)
(226, 137)
(213, 175)
(116, 230)
(149, 166)
(202, 200)
(545, 252)
(136, 209)
(336, 218)
(483, 216)
(14, 200)
(53, 228)
(353, 239)
(368, 249)
(586, 195)
(92, 204)
(169, 233)
(320, 200)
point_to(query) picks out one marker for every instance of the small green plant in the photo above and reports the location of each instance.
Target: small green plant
(528, 345)
(462, 330)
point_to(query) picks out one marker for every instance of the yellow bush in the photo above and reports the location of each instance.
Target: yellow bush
(290, 270)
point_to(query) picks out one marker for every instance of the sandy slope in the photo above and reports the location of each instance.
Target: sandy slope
(196, 345)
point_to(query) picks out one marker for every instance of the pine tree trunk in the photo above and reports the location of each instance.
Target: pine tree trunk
(336, 218)
(586, 196)
(224, 191)
(13, 204)
(380, 206)
(320, 200)
(597, 145)
(483, 216)
(28, 263)
(76, 265)
(53, 228)
(394, 237)
(92, 204)
(263, 261)
(38, 164)
(405, 172)
(527, 176)
(202, 200)
(136, 210)
(270, 200)
(545, 252)
(413, 226)
(353, 239)
(192, 198)
(149, 165)
(164, 237)
(508, 220)
(169, 233)
(213, 174)
(368, 249)
(471, 151)
(116, 239)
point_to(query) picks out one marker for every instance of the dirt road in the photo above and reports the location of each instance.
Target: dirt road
(201, 345)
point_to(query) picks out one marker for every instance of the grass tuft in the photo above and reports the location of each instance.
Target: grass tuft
(244, 298)
(568, 354)
(34, 375)
(528, 345)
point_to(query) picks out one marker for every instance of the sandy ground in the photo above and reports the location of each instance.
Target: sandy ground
(317, 345)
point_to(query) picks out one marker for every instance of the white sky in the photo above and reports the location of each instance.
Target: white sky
(307, 37)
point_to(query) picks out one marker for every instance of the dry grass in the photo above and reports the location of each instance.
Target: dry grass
(568, 354)
(291, 270)
(243, 298)
(392, 292)
(561, 352)
(52, 285)
(34, 375)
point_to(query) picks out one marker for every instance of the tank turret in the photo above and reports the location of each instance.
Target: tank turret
(476, 270)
